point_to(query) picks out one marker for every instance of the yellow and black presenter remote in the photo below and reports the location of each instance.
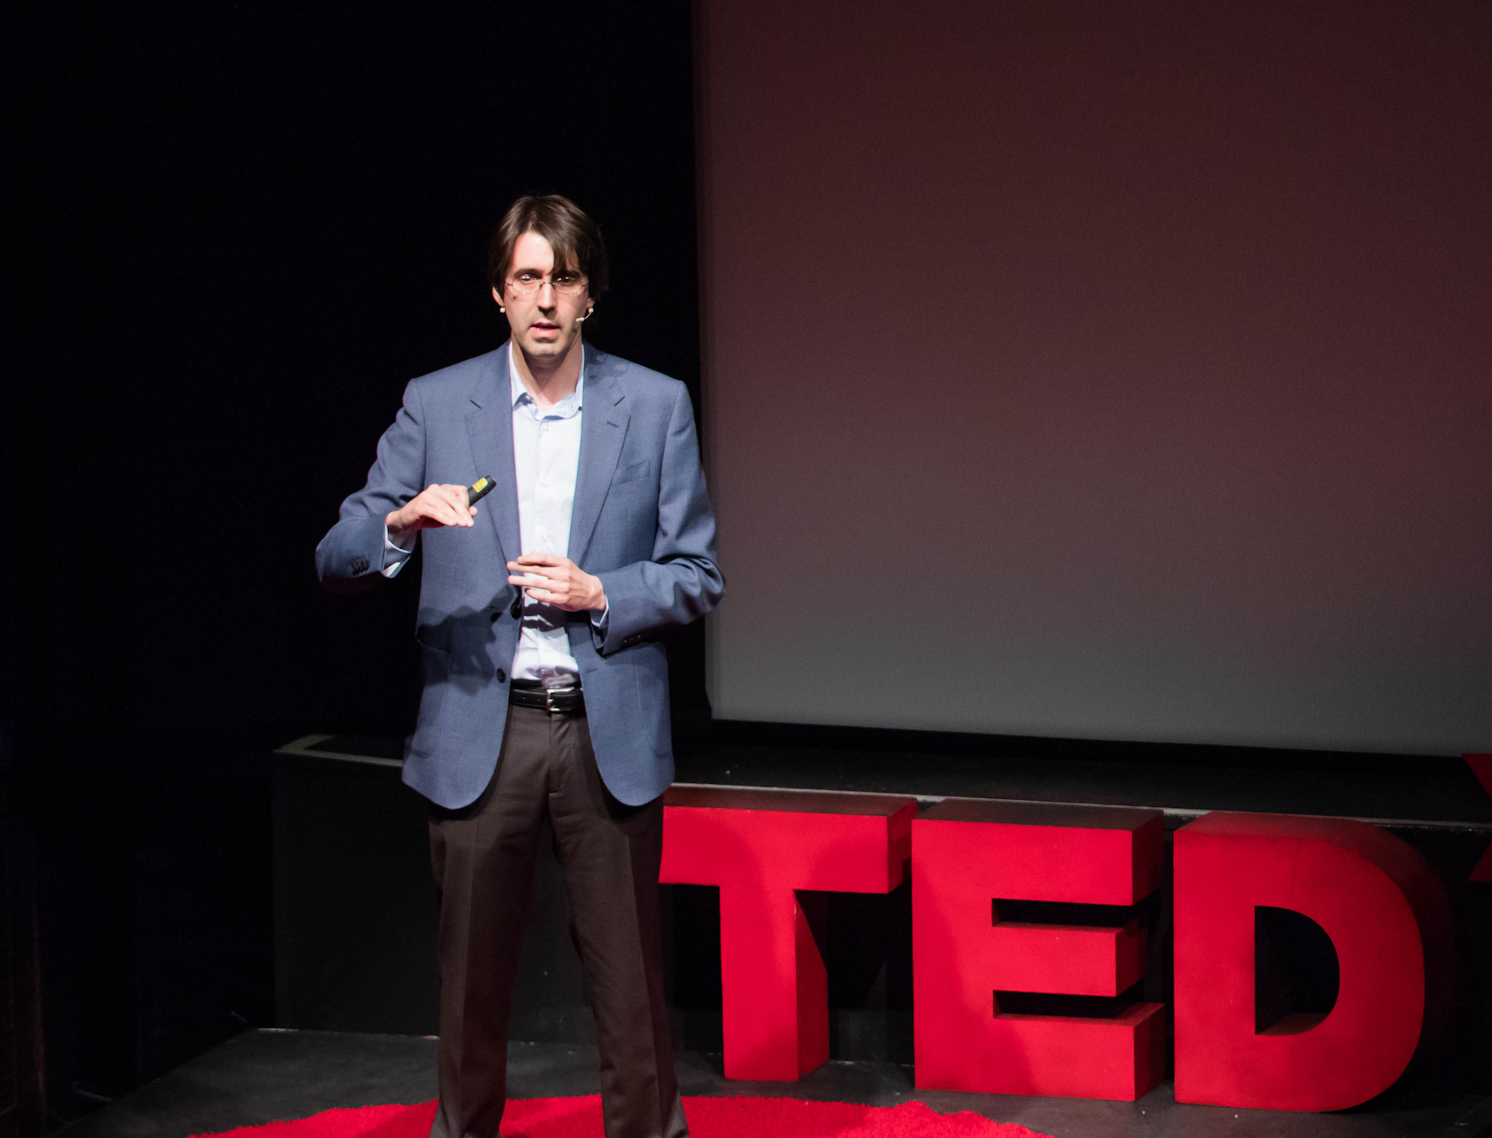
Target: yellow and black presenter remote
(479, 490)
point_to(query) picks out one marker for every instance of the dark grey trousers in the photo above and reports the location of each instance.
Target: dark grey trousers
(483, 856)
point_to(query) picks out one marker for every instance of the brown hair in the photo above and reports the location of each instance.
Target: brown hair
(574, 237)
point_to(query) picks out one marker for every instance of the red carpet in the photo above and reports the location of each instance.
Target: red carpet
(732, 1117)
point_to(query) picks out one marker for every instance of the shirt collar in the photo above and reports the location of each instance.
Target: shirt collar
(564, 409)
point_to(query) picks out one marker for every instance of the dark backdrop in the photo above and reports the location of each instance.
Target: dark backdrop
(247, 227)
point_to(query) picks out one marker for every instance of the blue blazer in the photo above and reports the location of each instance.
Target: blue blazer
(641, 522)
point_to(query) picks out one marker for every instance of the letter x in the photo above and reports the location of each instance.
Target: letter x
(1481, 766)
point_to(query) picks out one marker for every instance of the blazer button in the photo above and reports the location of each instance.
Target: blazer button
(502, 676)
(517, 606)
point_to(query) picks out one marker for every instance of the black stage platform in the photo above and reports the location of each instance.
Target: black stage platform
(264, 1076)
(354, 916)
(1399, 791)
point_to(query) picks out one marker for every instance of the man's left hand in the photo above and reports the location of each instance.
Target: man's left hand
(557, 581)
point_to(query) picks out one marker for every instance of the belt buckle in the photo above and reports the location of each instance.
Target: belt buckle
(550, 707)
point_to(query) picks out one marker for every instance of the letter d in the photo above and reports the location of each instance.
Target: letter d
(1388, 919)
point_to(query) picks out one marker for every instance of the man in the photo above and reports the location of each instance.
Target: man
(545, 697)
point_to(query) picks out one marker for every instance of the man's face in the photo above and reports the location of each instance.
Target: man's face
(546, 322)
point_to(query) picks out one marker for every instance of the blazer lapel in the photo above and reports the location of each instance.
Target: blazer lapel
(489, 426)
(603, 426)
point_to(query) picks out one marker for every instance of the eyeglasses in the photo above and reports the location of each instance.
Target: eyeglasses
(565, 283)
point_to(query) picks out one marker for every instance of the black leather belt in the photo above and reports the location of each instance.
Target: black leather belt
(556, 701)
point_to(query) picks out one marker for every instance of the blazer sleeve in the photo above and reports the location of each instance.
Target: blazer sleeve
(682, 581)
(353, 551)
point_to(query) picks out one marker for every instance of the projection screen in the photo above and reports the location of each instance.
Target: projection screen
(1109, 371)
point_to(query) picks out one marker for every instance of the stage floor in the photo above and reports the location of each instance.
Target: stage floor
(268, 1075)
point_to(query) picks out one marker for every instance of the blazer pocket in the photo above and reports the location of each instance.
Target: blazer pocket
(633, 472)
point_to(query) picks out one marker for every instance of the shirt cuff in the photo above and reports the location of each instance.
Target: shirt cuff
(598, 620)
(394, 556)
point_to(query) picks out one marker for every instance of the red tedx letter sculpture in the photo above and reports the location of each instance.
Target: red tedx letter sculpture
(759, 847)
(1481, 766)
(1387, 917)
(967, 853)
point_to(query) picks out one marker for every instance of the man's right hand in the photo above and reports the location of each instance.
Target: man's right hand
(434, 506)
